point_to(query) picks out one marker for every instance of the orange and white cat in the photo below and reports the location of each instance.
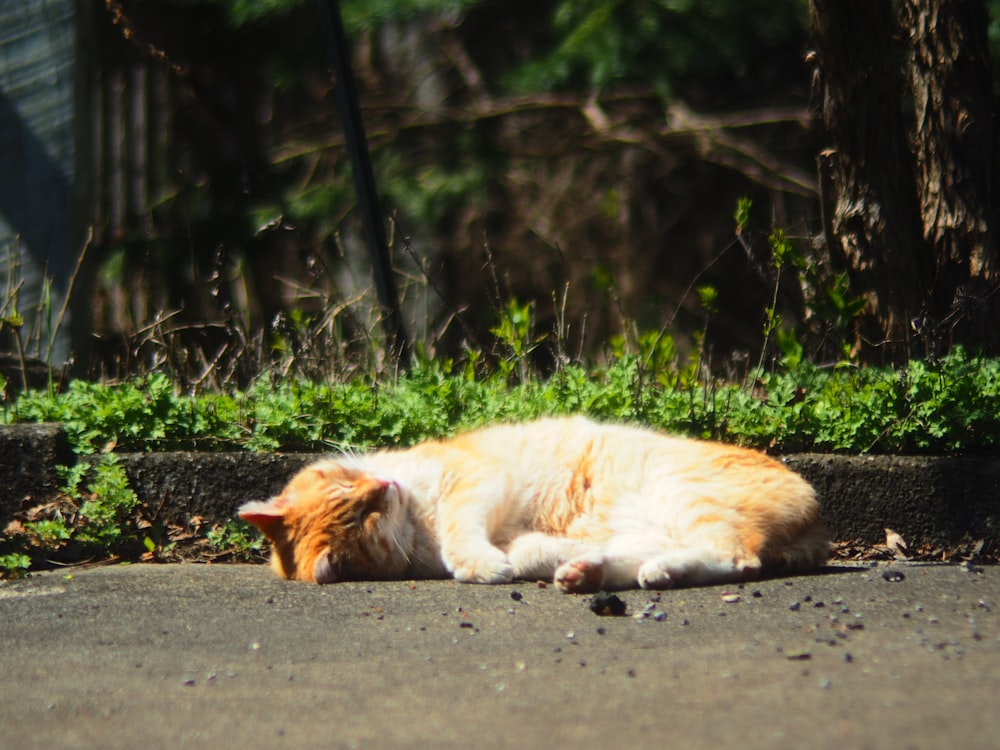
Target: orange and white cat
(587, 505)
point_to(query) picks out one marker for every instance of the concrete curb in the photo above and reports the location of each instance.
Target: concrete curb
(934, 500)
(29, 454)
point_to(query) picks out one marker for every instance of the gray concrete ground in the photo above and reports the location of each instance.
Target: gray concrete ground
(202, 656)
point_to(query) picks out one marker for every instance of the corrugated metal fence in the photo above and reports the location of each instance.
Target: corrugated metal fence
(85, 144)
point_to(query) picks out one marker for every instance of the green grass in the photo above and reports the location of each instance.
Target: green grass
(949, 406)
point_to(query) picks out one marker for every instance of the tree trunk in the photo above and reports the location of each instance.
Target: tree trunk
(867, 179)
(955, 149)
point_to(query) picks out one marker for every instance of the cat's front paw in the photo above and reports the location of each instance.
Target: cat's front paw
(483, 568)
(583, 575)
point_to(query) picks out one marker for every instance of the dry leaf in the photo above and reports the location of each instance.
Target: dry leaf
(895, 543)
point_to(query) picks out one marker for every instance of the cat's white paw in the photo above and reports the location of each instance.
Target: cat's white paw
(580, 576)
(655, 575)
(483, 568)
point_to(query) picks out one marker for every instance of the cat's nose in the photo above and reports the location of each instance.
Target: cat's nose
(380, 488)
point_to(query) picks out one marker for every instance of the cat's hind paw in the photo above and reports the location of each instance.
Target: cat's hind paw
(655, 575)
(696, 567)
(582, 575)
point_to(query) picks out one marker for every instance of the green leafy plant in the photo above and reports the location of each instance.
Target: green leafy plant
(515, 333)
(237, 538)
(108, 506)
(94, 515)
(952, 404)
(143, 412)
(14, 564)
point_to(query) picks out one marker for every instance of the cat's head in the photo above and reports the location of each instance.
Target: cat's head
(333, 522)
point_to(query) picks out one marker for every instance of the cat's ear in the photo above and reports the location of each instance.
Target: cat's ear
(266, 515)
(325, 570)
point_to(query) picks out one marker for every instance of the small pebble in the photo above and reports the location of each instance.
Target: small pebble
(730, 598)
(893, 576)
(795, 606)
(516, 596)
(660, 615)
(604, 603)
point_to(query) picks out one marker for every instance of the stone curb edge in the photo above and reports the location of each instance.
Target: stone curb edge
(926, 499)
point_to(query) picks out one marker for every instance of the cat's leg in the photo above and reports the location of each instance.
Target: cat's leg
(477, 561)
(535, 555)
(697, 566)
(465, 544)
(582, 575)
(616, 566)
(654, 569)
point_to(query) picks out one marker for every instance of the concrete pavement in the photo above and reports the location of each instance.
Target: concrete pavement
(185, 656)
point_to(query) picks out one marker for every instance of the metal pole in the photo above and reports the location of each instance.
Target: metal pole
(364, 180)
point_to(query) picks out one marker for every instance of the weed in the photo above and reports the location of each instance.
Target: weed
(516, 337)
(95, 515)
(14, 564)
(950, 405)
(109, 505)
(237, 539)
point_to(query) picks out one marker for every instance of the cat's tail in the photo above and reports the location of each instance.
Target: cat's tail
(807, 550)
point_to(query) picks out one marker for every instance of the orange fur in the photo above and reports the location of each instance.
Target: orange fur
(589, 505)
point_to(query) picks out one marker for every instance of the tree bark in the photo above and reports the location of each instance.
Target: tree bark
(955, 149)
(866, 173)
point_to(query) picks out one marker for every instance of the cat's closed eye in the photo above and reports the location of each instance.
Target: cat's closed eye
(372, 501)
